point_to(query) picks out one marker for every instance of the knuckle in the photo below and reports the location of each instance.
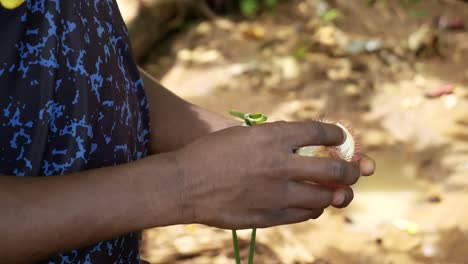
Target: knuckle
(339, 171)
(318, 131)
(276, 164)
(281, 165)
(353, 172)
(355, 176)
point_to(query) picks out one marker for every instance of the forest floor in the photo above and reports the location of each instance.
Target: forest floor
(397, 72)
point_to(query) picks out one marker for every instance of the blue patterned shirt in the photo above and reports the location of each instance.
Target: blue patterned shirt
(71, 99)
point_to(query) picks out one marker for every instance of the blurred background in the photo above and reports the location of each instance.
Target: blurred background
(396, 70)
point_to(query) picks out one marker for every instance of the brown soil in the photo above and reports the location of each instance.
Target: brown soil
(292, 65)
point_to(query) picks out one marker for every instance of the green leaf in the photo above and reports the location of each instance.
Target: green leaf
(249, 7)
(417, 13)
(270, 3)
(300, 52)
(331, 15)
(237, 114)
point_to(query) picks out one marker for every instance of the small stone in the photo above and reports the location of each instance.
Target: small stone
(254, 32)
(298, 110)
(187, 245)
(322, 7)
(446, 22)
(288, 66)
(331, 37)
(184, 55)
(409, 103)
(351, 90)
(379, 241)
(420, 80)
(303, 8)
(355, 47)
(423, 40)
(203, 28)
(411, 228)
(348, 220)
(285, 33)
(199, 55)
(373, 45)
(434, 199)
(440, 91)
(341, 72)
(450, 101)
(224, 24)
(242, 68)
(272, 81)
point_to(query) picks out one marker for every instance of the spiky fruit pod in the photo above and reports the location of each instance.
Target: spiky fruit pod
(348, 151)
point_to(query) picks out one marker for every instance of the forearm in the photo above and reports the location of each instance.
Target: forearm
(176, 122)
(46, 215)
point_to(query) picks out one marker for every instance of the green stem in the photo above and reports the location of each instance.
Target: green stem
(252, 245)
(237, 113)
(250, 120)
(236, 247)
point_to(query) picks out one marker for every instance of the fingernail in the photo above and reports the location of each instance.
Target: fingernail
(368, 167)
(339, 197)
(347, 201)
(344, 136)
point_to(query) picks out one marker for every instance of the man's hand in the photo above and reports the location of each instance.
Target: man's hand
(245, 177)
(240, 177)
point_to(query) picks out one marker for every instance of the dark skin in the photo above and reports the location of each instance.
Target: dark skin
(201, 171)
(259, 190)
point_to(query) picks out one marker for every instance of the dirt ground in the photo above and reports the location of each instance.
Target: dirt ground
(397, 71)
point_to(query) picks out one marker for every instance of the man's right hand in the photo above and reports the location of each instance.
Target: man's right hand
(236, 178)
(244, 177)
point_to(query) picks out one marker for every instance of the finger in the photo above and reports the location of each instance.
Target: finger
(342, 197)
(286, 216)
(310, 196)
(300, 134)
(322, 170)
(367, 165)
